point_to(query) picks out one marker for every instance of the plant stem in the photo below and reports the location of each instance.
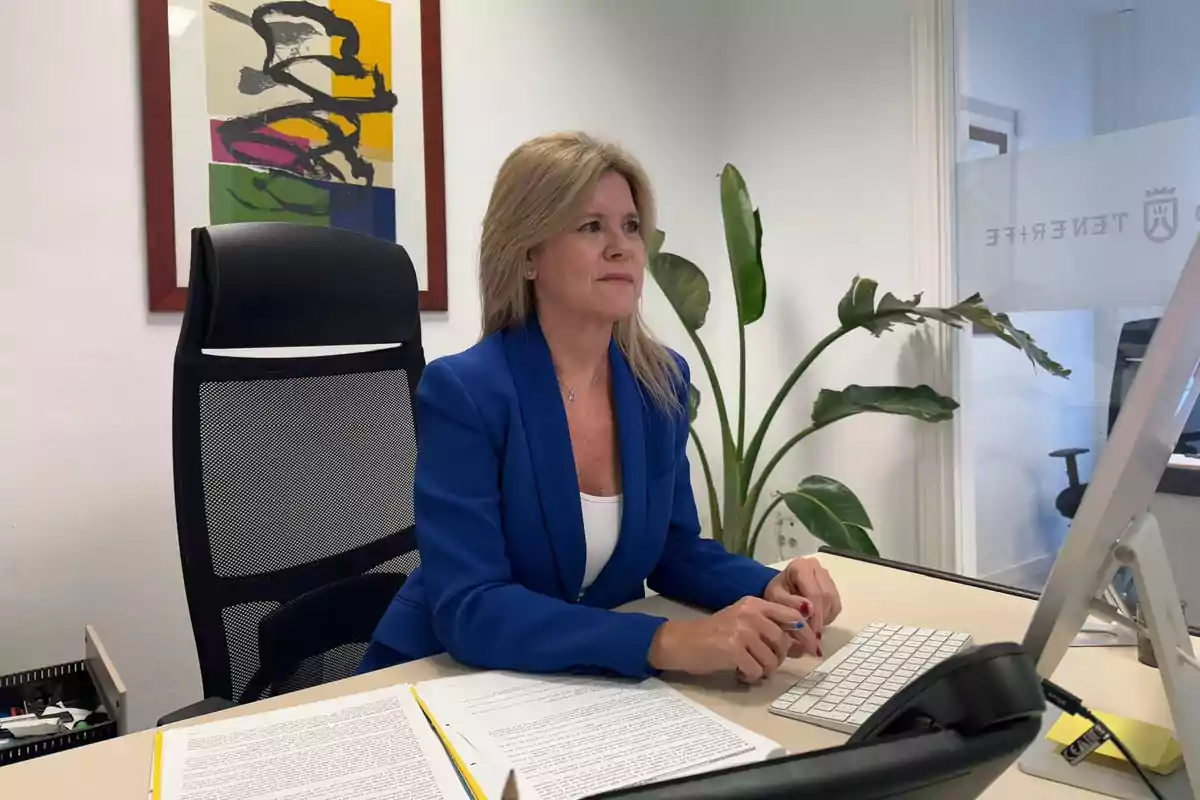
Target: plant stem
(756, 492)
(762, 521)
(741, 437)
(714, 509)
(726, 433)
(718, 395)
(757, 442)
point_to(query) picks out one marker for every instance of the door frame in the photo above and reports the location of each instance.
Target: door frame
(944, 484)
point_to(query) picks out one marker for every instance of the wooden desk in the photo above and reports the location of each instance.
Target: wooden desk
(1107, 678)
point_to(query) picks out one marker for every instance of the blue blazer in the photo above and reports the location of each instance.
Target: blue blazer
(500, 527)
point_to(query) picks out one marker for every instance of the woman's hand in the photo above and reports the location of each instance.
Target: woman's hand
(750, 636)
(806, 586)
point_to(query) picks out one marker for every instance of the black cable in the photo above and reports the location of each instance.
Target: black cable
(1071, 704)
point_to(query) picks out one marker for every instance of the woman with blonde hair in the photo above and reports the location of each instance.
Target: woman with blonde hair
(552, 477)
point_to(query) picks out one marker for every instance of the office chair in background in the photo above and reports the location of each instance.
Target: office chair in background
(1131, 347)
(293, 470)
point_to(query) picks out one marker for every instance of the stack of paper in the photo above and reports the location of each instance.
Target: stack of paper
(368, 746)
(566, 737)
(569, 737)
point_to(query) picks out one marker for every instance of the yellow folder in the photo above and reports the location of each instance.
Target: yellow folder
(459, 764)
(156, 770)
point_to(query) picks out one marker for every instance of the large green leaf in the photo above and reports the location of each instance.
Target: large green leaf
(860, 540)
(974, 310)
(893, 311)
(831, 513)
(654, 244)
(685, 287)
(920, 402)
(857, 306)
(758, 237)
(743, 240)
(693, 402)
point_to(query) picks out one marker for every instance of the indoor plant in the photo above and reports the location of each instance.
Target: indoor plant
(826, 507)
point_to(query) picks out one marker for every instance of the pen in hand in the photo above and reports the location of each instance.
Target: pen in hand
(809, 644)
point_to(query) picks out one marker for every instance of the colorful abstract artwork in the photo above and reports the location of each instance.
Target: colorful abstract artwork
(304, 134)
(287, 111)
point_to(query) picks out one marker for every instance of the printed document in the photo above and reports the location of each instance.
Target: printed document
(371, 746)
(569, 736)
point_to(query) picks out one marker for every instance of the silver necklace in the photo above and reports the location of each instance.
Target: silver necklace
(569, 392)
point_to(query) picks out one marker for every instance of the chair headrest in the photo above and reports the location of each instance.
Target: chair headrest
(279, 284)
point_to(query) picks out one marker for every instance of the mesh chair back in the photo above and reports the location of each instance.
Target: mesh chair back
(293, 469)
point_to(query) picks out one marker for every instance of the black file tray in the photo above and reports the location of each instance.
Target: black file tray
(73, 683)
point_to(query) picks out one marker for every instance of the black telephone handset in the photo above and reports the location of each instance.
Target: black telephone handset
(974, 691)
(948, 735)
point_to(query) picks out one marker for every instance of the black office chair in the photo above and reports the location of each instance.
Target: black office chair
(293, 474)
(295, 641)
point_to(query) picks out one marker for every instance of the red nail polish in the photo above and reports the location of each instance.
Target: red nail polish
(818, 635)
(819, 653)
(805, 608)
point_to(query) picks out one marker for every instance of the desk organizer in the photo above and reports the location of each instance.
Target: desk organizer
(71, 683)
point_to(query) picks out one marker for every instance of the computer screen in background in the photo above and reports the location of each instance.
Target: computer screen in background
(1131, 349)
(1156, 389)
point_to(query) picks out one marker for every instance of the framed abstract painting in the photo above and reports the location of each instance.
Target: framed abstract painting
(322, 112)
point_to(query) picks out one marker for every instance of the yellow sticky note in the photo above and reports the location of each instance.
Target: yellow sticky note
(1154, 747)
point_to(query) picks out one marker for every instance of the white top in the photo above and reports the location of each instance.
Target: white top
(601, 527)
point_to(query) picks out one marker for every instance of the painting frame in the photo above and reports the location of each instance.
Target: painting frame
(165, 294)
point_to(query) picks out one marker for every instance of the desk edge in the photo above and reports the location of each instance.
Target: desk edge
(930, 572)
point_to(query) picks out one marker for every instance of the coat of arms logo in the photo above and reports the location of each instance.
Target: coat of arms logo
(1160, 216)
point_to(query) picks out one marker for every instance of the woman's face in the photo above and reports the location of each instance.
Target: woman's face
(594, 269)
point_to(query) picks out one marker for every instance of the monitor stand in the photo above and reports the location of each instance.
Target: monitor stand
(1143, 552)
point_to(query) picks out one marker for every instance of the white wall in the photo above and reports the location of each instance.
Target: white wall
(86, 516)
(818, 117)
(629, 70)
(87, 530)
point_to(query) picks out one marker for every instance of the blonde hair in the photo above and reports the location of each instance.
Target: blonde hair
(539, 190)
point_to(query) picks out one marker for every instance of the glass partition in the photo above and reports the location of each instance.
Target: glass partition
(1077, 203)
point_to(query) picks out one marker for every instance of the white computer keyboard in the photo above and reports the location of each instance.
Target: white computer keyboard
(860, 677)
